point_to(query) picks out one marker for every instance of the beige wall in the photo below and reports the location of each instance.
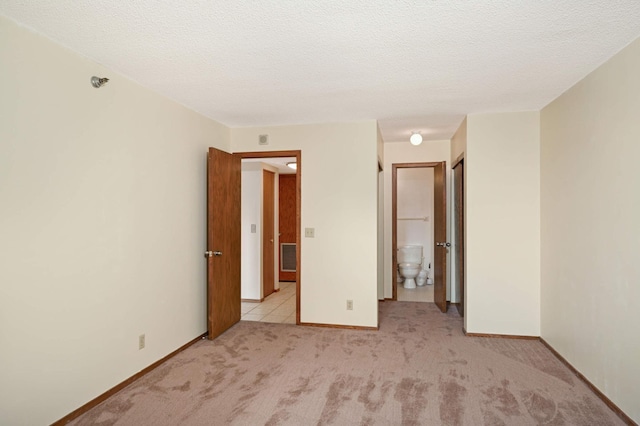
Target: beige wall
(380, 144)
(502, 167)
(102, 226)
(404, 152)
(590, 232)
(459, 141)
(252, 209)
(339, 199)
(251, 242)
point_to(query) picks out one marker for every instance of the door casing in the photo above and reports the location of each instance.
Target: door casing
(458, 173)
(298, 155)
(440, 229)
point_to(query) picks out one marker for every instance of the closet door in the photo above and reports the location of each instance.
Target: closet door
(440, 237)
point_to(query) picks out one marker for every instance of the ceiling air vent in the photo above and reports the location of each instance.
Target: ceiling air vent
(263, 140)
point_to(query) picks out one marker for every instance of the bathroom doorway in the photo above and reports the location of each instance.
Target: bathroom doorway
(266, 297)
(421, 222)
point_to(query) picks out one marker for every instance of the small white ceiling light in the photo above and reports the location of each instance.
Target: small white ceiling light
(415, 139)
(293, 165)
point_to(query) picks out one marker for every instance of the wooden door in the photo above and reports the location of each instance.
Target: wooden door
(223, 241)
(458, 174)
(286, 220)
(268, 224)
(440, 229)
(440, 237)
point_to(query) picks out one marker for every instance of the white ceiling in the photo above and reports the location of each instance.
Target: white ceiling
(279, 163)
(412, 65)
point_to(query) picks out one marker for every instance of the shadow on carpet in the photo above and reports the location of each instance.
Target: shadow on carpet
(418, 369)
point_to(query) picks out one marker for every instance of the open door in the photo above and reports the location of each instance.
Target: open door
(440, 244)
(268, 225)
(440, 237)
(223, 241)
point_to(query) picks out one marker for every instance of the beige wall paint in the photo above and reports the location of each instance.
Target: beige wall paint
(590, 231)
(339, 199)
(459, 141)
(404, 152)
(251, 242)
(380, 143)
(102, 226)
(502, 282)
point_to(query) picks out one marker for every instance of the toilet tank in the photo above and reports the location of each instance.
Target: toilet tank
(410, 254)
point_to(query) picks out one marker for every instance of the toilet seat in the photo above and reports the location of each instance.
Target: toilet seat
(410, 264)
(409, 271)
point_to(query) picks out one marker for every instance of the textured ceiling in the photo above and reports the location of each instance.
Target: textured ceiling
(412, 65)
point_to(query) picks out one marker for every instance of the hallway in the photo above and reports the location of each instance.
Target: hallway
(279, 307)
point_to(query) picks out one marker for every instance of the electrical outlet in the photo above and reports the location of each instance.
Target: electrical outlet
(349, 305)
(309, 232)
(141, 342)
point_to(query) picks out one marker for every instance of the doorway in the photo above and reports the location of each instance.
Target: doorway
(417, 217)
(458, 230)
(274, 296)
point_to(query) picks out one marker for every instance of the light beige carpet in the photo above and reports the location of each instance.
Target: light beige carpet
(418, 369)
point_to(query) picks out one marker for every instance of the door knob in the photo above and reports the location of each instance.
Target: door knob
(443, 244)
(208, 253)
(217, 253)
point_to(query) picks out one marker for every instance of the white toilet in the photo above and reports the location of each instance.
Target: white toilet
(410, 264)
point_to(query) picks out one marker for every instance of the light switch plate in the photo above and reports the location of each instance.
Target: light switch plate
(309, 232)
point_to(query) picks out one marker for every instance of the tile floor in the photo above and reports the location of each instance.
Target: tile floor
(418, 294)
(277, 307)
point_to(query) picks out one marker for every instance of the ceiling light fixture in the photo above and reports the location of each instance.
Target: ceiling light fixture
(293, 165)
(415, 139)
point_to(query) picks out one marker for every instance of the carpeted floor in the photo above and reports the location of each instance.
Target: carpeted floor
(418, 369)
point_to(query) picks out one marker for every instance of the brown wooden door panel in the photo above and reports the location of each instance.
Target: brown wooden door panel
(268, 224)
(440, 235)
(223, 240)
(286, 219)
